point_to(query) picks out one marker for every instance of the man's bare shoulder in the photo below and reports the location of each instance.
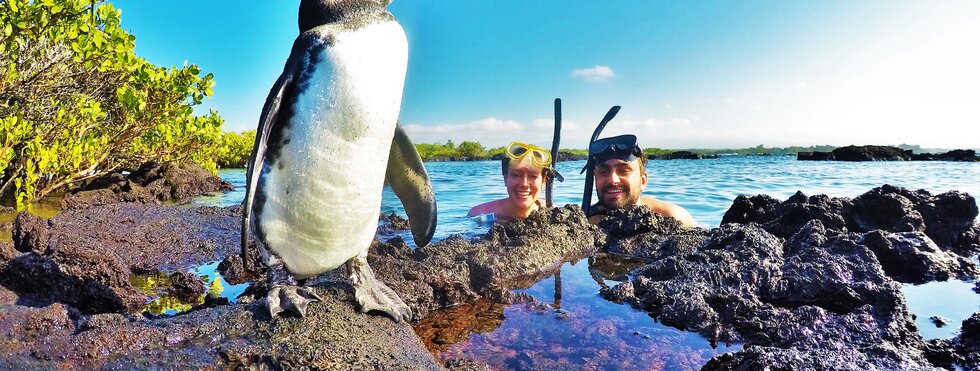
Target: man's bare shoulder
(669, 209)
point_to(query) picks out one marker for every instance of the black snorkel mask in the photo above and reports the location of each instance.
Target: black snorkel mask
(590, 164)
(622, 147)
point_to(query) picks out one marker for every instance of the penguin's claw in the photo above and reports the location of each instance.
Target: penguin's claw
(375, 295)
(282, 298)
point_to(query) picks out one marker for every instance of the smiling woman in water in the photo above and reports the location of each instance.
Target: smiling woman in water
(524, 171)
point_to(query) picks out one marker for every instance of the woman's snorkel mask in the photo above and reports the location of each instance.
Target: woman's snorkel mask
(601, 147)
(528, 153)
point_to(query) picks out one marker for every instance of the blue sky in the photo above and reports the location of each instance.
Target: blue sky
(705, 74)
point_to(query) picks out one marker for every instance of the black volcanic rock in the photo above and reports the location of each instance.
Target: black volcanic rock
(968, 342)
(968, 155)
(918, 237)
(805, 301)
(871, 153)
(885, 153)
(455, 271)
(923, 157)
(815, 156)
(151, 183)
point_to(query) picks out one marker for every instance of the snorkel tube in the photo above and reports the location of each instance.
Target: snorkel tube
(554, 155)
(590, 164)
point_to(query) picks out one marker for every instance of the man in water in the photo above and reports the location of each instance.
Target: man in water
(621, 176)
(525, 172)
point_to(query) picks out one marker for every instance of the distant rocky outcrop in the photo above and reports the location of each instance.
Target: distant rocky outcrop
(885, 153)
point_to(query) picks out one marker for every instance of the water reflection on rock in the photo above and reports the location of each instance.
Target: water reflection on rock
(445, 328)
(561, 323)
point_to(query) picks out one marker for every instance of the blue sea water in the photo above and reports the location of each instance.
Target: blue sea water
(704, 187)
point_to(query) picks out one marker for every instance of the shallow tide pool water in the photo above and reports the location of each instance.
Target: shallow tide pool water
(575, 327)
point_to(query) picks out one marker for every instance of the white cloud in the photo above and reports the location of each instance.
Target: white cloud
(597, 73)
(491, 132)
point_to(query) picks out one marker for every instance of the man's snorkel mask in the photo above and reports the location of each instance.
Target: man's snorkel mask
(622, 147)
(602, 148)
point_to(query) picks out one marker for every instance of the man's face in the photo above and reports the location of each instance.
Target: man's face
(619, 183)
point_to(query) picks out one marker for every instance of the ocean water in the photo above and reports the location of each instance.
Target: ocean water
(524, 334)
(706, 187)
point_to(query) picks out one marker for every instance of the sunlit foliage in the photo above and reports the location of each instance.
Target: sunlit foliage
(76, 102)
(235, 149)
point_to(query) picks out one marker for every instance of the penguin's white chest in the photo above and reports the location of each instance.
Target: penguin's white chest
(323, 193)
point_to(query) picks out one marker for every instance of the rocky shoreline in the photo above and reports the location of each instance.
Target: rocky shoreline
(809, 282)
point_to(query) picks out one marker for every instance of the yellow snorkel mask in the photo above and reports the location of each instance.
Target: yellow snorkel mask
(523, 152)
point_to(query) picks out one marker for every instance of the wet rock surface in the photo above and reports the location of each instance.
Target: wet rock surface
(917, 236)
(455, 271)
(151, 183)
(968, 343)
(808, 283)
(103, 246)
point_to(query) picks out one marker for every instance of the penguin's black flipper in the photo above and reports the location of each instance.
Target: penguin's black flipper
(271, 122)
(410, 182)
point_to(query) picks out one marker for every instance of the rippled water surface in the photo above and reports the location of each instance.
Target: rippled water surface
(576, 328)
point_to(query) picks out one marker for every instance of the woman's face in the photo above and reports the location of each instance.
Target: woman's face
(523, 185)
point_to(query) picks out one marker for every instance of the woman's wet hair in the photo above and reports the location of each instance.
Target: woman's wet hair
(505, 168)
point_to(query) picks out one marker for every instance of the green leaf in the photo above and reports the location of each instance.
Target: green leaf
(8, 29)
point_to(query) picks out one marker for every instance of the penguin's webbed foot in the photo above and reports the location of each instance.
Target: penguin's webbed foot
(372, 294)
(282, 298)
(380, 297)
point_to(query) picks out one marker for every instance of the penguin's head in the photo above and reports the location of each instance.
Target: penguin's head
(313, 13)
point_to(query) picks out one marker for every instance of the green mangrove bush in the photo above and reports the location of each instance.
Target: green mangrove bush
(76, 102)
(235, 149)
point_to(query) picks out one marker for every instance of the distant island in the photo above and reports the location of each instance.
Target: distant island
(474, 151)
(886, 153)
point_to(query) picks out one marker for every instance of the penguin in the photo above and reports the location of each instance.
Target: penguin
(328, 138)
